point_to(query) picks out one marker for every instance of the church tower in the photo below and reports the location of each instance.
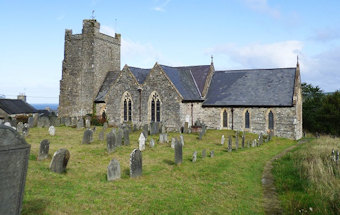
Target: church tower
(87, 59)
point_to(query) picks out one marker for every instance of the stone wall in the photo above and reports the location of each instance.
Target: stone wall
(87, 59)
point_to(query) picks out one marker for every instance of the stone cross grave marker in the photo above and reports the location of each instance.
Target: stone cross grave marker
(136, 165)
(194, 156)
(141, 141)
(44, 148)
(178, 152)
(60, 160)
(87, 137)
(111, 142)
(51, 130)
(113, 170)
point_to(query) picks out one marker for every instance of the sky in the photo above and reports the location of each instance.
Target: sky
(239, 34)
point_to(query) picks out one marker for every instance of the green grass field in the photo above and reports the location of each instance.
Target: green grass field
(308, 180)
(229, 183)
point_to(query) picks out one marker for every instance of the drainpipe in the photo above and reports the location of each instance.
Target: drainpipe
(140, 104)
(192, 114)
(232, 118)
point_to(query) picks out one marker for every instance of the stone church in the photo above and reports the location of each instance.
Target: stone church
(256, 100)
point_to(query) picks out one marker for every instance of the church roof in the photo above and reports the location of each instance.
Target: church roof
(111, 76)
(183, 79)
(16, 106)
(139, 73)
(256, 87)
(200, 74)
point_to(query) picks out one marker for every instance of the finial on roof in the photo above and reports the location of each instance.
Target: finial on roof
(92, 14)
(297, 61)
(212, 59)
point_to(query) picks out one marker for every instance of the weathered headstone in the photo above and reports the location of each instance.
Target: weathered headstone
(236, 141)
(101, 135)
(14, 154)
(43, 150)
(57, 122)
(105, 125)
(60, 160)
(87, 123)
(212, 154)
(173, 142)
(53, 120)
(136, 164)
(165, 137)
(178, 152)
(337, 157)
(181, 139)
(146, 130)
(111, 142)
(141, 142)
(204, 153)
(25, 130)
(35, 119)
(67, 121)
(20, 126)
(230, 144)
(201, 135)
(260, 139)
(161, 138)
(88, 136)
(119, 137)
(194, 156)
(43, 122)
(152, 143)
(51, 130)
(30, 122)
(80, 123)
(113, 170)
(134, 127)
(163, 129)
(126, 137)
(74, 122)
(243, 139)
(186, 127)
(222, 140)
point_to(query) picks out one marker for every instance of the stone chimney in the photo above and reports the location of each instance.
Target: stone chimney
(22, 96)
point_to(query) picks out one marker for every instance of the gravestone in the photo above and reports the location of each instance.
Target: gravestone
(141, 141)
(333, 155)
(317, 135)
(67, 121)
(80, 123)
(136, 164)
(35, 119)
(173, 142)
(111, 142)
(105, 126)
(126, 137)
(337, 156)
(101, 135)
(163, 129)
(186, 127)
(222, 140)
(113, 170)
(146, 130)
(152, 143)
(20, 126)
(43, 122)
(236, 141)
(230, 144)
(51, 130)
(74, 122)
(204, 129)
(204, 153)
(87, 137)
(135, 128)
(260, 139)
(243, 140)
(178, 152)
(25, 130)
(87, 123)
(161, 138)
(181, 139)
(8, 124)
(194, 156)
(119, 137)
(30, 122)
(57, 122)
(43, 151)
(60, 160)
(14, 154)
(165, 137)
(53, 120)
(248, 143)
(212, 154)
(201, 135)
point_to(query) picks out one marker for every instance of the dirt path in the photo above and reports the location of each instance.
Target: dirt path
(271, 201)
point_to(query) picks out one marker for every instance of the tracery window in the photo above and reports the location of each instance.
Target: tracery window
(155, 108)
(270, 120)
(225, 119)
(127, 107)
(246, 120)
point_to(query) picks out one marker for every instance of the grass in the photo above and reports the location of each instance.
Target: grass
(307, 179)
(228, 183)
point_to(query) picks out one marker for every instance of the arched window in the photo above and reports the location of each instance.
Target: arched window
(127, 107)
(155, 109)
(225, 119)
(270, 120)
(246, 120)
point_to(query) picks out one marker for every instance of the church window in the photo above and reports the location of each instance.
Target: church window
(125, 111)
(246, 121)
(225, 119)
(130, 118)
(127, 107)
(155, 108)
(270, 120)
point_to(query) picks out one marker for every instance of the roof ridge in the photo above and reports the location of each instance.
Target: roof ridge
(235, 70)
(184, 66)
(192, 76)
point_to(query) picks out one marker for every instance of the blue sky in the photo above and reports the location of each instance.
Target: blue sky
(240, 34)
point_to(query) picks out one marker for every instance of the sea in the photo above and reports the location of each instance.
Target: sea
(44, 106)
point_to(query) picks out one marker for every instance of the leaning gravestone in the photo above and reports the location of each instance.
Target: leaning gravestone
(88, 136)
(194, 156)
(230, 145)
(51, 130)
(20, 126)
(141, 141)
(136, 164)
(60, 160)
(43, 151)
(146, 130)
(113, 170)
(126, 137)
(173, 142)
(30, 122)
(222, 140)
(111, 142)
(14, 154)
(152, 143)
(178, 152)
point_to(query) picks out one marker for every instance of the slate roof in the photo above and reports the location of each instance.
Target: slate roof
(183, 80)
(200, 74)
(16, 106)
(139, 73)
(111, 76)
(257, 87)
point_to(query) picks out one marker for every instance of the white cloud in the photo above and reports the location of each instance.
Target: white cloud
(326, 34)
(263, 7)
(161, 6)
